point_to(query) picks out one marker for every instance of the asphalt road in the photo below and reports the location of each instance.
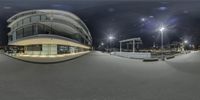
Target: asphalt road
(99, 76)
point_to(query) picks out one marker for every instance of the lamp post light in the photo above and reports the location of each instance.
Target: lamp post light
(186, 41)
(143, 19)
(102, 44)
(162, 28)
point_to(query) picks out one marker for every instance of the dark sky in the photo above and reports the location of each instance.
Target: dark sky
(122, 19)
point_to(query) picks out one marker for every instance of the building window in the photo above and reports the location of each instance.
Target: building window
(35, 18)
(43, 18)
(41, 29)
(10, 38)
(34, 29)
(14, 26)
(63, 49)
(19, 33)
(26, 21)
(28, 31)
(34, 48)
(20, 23)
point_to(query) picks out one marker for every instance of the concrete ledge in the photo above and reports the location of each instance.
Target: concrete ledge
(170, 57)
(133, 55)
(150, 59)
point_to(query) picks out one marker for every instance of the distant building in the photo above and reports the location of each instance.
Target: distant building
(177, 46)
(48, 32)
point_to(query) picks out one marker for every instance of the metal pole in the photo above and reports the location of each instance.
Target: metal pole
(51, 18)
(120, 46)
(162, 48)
(107, 47)
(133, 45)
(110, 45)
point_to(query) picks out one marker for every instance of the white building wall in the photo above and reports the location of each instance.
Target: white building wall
(49, 49)
(53, 49)
(45, 49)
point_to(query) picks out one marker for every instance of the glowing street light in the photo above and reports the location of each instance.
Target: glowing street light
(143, 19)
(186, 41)
(162, 29)
(102, 44)
(151, 16)
(110, 38)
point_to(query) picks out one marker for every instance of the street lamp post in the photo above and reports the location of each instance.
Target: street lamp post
(185, 42)
(162, 48)
(110, 38)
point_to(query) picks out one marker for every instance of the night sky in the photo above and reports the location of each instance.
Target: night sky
(122, 19)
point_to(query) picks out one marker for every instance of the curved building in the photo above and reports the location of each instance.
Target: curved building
(48, 32)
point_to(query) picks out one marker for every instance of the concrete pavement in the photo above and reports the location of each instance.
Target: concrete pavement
(99, 76)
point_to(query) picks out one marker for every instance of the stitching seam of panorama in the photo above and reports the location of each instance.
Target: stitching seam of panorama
(48, 32)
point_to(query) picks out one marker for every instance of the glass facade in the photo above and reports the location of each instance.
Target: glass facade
(35, 22)
(35, 29)
(51, 49)
(62, 49)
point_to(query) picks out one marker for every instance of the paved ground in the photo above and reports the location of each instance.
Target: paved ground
(98, 76)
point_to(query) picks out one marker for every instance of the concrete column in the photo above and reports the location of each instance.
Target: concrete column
(133, 45)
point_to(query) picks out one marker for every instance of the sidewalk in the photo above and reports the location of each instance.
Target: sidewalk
(47, 59)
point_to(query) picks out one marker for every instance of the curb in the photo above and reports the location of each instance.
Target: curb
(150, 60)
